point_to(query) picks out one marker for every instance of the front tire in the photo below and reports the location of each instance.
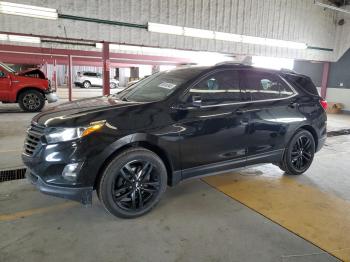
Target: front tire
(132, 183)
(31, 101)
(299, 154)
(86, 84)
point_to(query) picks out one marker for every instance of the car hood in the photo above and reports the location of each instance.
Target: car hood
(36, 73)
(81, 112)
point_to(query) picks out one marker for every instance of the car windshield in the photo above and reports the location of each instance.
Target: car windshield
(158, 86)
(7, 68)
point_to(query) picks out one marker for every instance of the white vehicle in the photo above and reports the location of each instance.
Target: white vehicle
(88, 79)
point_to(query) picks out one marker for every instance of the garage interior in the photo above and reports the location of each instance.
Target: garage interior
(255, 213)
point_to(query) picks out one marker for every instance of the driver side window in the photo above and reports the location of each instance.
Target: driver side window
(218, 88)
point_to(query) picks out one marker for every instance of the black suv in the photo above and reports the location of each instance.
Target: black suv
(172, 126)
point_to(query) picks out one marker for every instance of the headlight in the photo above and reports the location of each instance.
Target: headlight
(68, 134)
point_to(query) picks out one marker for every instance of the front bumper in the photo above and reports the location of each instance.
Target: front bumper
(51, 97)
(80, 194)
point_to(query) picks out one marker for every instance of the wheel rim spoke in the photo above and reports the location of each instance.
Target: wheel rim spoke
(121, 197)
(140, 198)
(125, 175)
(133, 199)
(146, 170)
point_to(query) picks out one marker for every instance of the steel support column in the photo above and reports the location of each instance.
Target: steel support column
(69, 82)
(54, 78)
(325, 75)
(106, 68)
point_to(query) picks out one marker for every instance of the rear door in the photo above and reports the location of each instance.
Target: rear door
(5, 82)
(213, 133)
(270, 109)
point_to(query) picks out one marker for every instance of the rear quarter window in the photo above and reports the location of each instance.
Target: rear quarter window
(303, 82)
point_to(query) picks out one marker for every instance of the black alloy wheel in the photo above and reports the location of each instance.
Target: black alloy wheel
(136, 184)
(113, 85)
(299, 154)
(133, 183)
(31, 101)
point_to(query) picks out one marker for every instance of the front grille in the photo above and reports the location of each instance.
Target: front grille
(32, 141)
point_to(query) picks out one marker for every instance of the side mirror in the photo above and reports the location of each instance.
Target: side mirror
(196, 101)
(2, 74)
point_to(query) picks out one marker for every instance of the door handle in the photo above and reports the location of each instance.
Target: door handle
(293, 104)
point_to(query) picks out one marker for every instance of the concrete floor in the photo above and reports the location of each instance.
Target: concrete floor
(194, 222)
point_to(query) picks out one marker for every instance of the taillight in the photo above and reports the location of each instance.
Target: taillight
(323, 103)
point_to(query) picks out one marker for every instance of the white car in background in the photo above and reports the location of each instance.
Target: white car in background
(88, 79)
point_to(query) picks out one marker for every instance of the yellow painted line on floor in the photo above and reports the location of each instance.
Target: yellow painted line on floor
(317, 216)
(36, 211)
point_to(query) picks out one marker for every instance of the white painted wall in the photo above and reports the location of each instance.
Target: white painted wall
(294, 20)
(342, 34)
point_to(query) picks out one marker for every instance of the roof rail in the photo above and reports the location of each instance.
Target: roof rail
(231, 63)
(286, 70)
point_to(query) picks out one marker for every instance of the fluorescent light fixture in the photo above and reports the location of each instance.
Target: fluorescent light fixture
(253, 40)
(287, 44)
(28, 10)
(25, 39)
(228, 37)
(4, 37)
(208, 34)
(200, 33)
(20, 38)
(272, 62)
(166, 29)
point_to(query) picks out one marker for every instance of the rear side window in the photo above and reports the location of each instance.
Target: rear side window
(304, 83)
(219, 88)
(90, 74)
(264, 86)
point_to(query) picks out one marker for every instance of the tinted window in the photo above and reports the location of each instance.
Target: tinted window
(303, 82)
(90, 74)
(2, 74)
(263, 86)
(220, 87)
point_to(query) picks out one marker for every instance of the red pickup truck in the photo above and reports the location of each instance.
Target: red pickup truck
(29, 89)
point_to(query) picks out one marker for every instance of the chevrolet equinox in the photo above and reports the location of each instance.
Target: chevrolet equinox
(172, 126)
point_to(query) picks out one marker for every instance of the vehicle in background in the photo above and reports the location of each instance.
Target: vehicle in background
(28, 88)
(172, 126)
(88, 79)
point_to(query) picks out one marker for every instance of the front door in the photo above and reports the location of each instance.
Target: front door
(5, 83)
(214, 130)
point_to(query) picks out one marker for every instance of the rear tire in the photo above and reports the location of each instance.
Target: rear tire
(31, 101)
(132, 183)
(299, 153)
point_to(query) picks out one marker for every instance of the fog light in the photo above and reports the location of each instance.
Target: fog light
(71, 171)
